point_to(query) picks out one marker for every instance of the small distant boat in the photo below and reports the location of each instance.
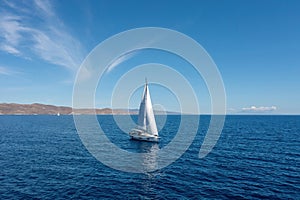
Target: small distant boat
(58, 114)
(146, 129)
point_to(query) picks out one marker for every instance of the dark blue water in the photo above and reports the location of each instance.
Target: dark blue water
(256, 157)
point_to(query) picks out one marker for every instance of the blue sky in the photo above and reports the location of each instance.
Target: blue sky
(255, 45)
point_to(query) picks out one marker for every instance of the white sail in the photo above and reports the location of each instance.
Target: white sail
(146, 119)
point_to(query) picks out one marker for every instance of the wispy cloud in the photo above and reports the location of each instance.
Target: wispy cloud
(10, 49)
(45, 7)
(6, 71)
(33, 28)
(261, 109)
(231, 110)
(119, 60)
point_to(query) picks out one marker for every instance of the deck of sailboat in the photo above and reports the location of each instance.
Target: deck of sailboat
(139, 134)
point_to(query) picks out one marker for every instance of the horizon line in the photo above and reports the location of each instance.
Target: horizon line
(167, 112)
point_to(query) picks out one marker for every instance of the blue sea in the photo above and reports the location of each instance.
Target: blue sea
(256, 157)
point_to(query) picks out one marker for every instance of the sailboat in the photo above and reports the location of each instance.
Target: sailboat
(146, 129)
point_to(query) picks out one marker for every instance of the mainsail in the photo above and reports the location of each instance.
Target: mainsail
(146, 120)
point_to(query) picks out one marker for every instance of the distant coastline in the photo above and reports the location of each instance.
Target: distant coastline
(44, 109)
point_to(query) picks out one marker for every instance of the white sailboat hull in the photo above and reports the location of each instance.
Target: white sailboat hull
(138, 134)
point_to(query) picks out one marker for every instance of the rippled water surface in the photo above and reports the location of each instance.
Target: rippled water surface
(256, 157)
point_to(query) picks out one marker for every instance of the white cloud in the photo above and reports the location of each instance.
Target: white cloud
(45, 7)
(38, 31)
(6, 71)
(231, 110)
(10, 29)
(259, 109)
(9, 49)
(119, 60)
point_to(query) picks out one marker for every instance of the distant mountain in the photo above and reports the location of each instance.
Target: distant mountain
(42, 109)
